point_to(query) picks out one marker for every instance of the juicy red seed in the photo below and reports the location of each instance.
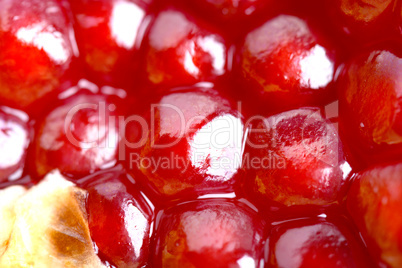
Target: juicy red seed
(373, 202)
(108, 33)
(362, 19)
(14, 139)
(183, 155)
(315, 243)
(213, 233)
(371, 105)
(180, 52)
(295, 158)
(285, 60)
(36, 50)
(119, 220)
(78, 137)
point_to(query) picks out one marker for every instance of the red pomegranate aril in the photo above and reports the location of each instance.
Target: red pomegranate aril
(371, 87)
(108, 37)
(119, 219)
(172, 172)
(213, 233)
(315, 243)
(300, 159)
(14, 141)
(78, 137)
(180, 52)
(193, 145)
(36, 50)
(286, 63)
(361, 19)
(374, 202)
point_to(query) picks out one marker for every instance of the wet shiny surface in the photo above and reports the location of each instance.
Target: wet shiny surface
(190, 169)
(78, 137)
(179, 52)
(284, 56)
(313, 243)
(208, 234)
(107, 32)
(36, 50)
(218, 143)
(374, 203)
(119, 220)
(196, 146)
(14, 141)
(300, 159)
(371, 91)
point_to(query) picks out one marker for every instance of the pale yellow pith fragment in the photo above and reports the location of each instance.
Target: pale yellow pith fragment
(47, 227)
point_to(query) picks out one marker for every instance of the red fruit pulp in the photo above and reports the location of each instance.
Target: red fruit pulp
(78, 137)
(180, 52)
(185, 63)
(175, 158)
(364, 20)
(315, 243)
(119, 219)
(374, 202)
(371, 86)
(284, 60)
(211, 233)
(107, 35)
(301, 161)
(36, 50)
